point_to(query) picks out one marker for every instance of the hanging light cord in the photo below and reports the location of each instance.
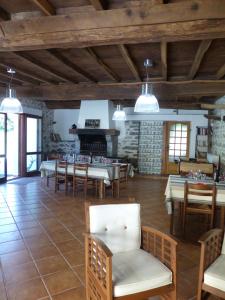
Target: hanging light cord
(11, 78)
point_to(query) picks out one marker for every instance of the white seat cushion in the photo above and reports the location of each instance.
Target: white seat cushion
(215, 275)
(136, 271)
(118, 225)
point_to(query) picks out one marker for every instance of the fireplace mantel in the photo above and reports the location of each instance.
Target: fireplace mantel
(94, 131)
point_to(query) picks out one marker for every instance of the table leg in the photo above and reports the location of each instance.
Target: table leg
(101, 188)
(222, 217)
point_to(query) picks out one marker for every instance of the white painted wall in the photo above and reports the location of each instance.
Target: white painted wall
(64, 119)
(96, 109)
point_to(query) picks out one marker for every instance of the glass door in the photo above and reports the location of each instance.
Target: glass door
(177, 141)
(3, 128)
(33, 144)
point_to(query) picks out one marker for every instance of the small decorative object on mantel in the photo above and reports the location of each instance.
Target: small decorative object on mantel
(74, 126)
(92, 123)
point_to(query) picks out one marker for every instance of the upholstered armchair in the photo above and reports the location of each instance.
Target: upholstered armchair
(212, 265)
(124, 260)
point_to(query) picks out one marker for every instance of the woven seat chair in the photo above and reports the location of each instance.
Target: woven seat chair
(124, 260)
(212, 265)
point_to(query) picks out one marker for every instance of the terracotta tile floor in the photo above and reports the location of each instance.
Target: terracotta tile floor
(41, 242)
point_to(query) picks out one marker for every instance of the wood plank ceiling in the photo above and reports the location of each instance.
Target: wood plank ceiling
(68, 50)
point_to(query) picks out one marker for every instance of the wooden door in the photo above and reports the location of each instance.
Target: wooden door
(176, 145)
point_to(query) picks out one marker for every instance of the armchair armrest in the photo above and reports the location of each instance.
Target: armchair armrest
(98, 259)
(161, 246)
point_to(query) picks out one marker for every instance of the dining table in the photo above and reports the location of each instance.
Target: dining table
(175, 193)
(105, 173)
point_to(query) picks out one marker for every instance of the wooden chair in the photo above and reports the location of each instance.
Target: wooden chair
(212, 265)
(122, 178)
(205, 192)
(51, 175)
(61, 176)
(124, 260)
(186, 166)
(80, 178)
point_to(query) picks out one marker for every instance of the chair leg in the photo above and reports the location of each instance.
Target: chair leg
(184, 223)
(172, 218)
(170, 296)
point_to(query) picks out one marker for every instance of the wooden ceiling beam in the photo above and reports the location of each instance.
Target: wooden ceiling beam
(203, 19)
(42, 66)
(16, 79)
(45, 6)
(99, 4)
(164, 60)
(123, 90)
(112, 75)
(202, 49)
(64, 60)
(4, 15)
(31, 78)
(221, 72)
(126, 56)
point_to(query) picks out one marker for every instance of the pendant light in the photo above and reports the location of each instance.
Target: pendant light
(147, 102)
(10, 104)
(119, 114)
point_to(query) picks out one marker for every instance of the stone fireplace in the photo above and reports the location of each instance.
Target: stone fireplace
(100, 142)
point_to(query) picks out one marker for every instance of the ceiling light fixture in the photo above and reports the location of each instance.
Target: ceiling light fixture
(10, 104)
(147, 102)
(119, 114)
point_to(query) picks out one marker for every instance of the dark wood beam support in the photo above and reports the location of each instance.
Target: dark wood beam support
(162, 89)
(60, 57)
(45, 6)
(99, 4)
(42, 66)
(90, 52)
(164, 60)
(126, 56)
(202, 49)
(203, 19)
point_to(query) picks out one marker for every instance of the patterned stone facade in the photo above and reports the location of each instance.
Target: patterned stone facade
(218, 135)
(150, 147)
(128, 140)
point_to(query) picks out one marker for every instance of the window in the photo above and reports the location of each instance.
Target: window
(178, 141)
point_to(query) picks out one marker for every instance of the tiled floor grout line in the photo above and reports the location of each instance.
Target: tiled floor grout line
(30, 253)
(62, 255)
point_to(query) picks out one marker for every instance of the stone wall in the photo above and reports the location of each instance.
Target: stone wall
(218, 135)
(128, 140)
(150, 147)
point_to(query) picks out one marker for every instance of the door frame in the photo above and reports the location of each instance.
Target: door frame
(23, 144)
(166, 126)
(4, 179)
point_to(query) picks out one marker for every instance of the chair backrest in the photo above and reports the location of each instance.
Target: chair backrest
(61, 167)
(118, 225)
(80, 170)
(123, 172)
(185, 167)
(200, 191)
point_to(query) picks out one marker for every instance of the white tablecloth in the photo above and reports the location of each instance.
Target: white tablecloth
(175, 191)
(100, 171)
